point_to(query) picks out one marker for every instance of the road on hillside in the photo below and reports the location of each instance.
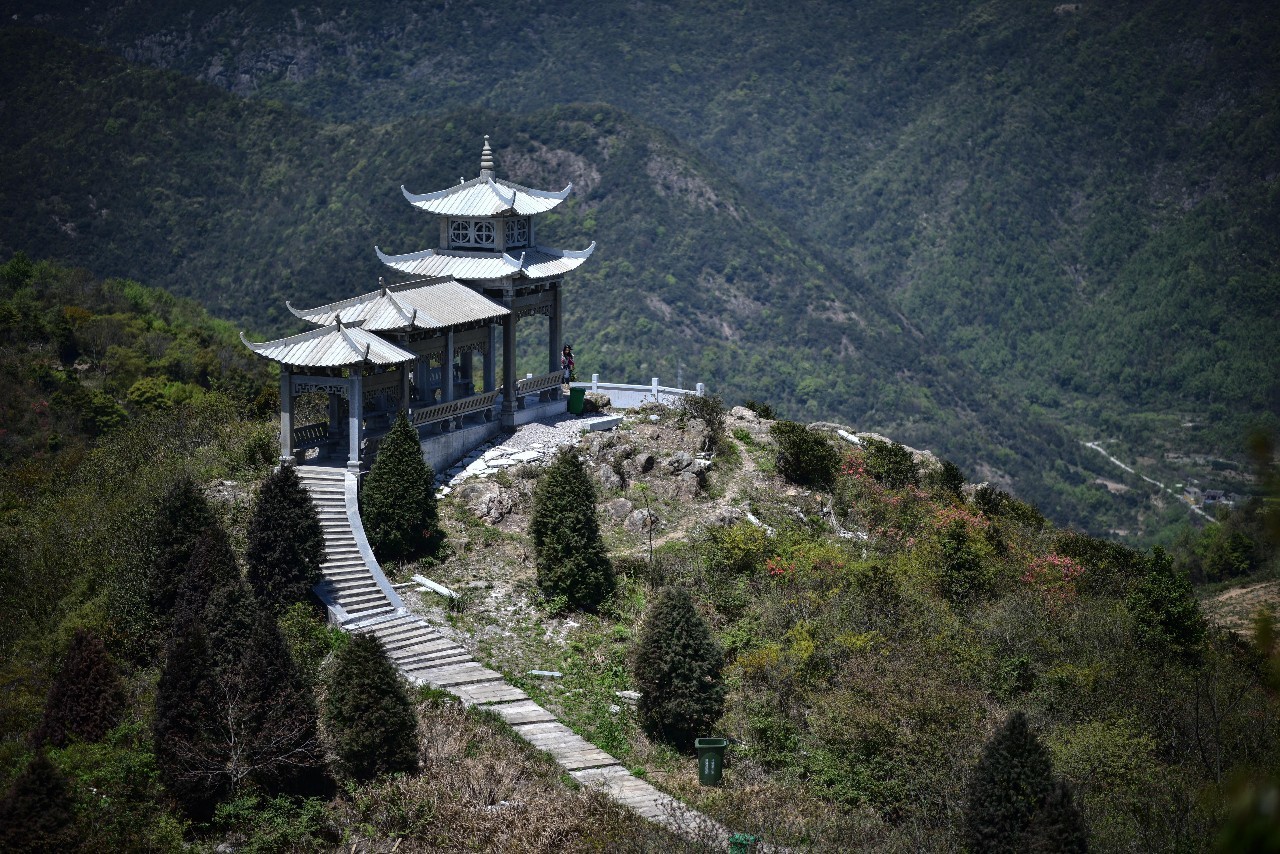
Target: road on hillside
(1097, 446)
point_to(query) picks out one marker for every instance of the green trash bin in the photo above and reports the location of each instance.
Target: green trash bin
(577, 397)
(742, 843)
(710, 759)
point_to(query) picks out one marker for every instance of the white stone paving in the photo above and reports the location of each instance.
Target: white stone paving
(532, 444)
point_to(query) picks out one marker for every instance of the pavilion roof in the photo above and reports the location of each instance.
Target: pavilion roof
(435, 304)
(535, 263)
(333, 346)
(487, 196)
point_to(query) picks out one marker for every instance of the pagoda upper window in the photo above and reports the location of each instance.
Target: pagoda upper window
(469, 232)
(517, 232)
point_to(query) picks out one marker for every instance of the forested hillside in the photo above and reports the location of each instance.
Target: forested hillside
(1071, 204)
(1078, 200)
(246, 204)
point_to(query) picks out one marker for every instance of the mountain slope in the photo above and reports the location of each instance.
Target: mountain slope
(1076, 201)
(245, 204)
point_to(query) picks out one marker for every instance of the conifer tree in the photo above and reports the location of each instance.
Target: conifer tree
(286, 544)
(36, 813)
(677, 669)
(571, 556)
(212, 567)
(368, 717)
(1015, 804)
(183, 513)
(398, 498)
(230, 708)
(87, 698)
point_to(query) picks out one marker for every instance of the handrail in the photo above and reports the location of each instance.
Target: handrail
(539, 383)
(310, 434)
(453, 408)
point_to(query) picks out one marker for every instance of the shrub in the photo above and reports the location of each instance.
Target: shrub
(87, 698)
(962, 576)
(286, 544)
(571, 557)
(992, 503)
(890, 464)
(36, 813)
(947, 479)
(368, 718)
(398, 498)
(1109, 567)
(1015, 804)
(1166, 616)
(709, 409)
(805, 457)
(764, 410)
(677, 671)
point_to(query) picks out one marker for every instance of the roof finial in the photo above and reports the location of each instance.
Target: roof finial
(486, 159)
(382, 285)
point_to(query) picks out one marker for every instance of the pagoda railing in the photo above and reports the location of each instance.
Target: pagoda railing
(310, 435)
(453, 408)
(530, 385)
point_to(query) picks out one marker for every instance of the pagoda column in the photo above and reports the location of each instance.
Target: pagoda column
(446, 368)
(509, 369)
(554, 344)
(404, 387)
(355, 414)
(491, 359)
(286, 415)
(468, 366)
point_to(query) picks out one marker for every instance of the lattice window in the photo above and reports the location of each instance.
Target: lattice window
(517, 232)
(484, 233)
(459, 231)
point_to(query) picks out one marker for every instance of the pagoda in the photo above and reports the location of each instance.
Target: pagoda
(410, 345)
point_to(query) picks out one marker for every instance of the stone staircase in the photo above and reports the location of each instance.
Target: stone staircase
(360, 599)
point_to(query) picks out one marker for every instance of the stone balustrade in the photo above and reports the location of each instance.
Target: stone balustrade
(453, 408)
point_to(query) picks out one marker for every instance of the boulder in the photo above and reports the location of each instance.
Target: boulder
(609, 478)
(618, 509)
(641, 521)
(741, 413)
(679, 461)
(687, 485)
(726, 516)
(486, 499)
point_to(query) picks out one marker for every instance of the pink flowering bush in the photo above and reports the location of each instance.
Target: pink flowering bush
(1054, 577)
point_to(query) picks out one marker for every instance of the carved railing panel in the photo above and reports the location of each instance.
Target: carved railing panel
(453, 408)
(310, 434)
(539, 383)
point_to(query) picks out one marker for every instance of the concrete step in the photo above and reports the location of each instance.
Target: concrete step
(459, 656)
(368, 608)
(398, 633)
(352, 602)
(423, 642)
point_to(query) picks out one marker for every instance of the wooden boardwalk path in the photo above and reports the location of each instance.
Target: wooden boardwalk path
(426, 657)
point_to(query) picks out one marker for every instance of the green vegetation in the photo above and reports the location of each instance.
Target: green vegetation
(286, 544)
(398, 498)
(573, 566)
(35, 815)
(87, 698)
(1015, 802)
(805, 456)
(911, 261)
(368, 718)
(678, 672)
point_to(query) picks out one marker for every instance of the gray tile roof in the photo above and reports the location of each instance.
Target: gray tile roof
(536, 263)
(334, 346)
(421, 305)
(485, 196)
